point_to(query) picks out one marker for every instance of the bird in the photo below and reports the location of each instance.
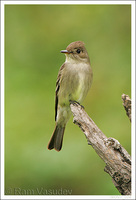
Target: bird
(73, 83)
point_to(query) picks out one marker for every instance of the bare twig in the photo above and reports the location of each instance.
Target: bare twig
(127, 105)
(117, 159)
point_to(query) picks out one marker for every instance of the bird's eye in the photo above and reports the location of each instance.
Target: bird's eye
(78, 51)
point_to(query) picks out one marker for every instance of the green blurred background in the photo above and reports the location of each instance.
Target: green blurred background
(34, 36)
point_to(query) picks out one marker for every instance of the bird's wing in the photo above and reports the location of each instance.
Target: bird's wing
(57, 89)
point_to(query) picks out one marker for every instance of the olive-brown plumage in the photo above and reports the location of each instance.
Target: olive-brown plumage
(73, 83)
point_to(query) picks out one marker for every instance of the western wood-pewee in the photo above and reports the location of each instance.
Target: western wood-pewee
(73, 82)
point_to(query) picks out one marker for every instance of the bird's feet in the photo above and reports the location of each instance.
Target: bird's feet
(75, 102)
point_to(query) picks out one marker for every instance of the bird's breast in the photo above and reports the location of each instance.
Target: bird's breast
(76, 82)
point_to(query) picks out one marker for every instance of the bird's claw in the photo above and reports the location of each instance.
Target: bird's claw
(75, 102)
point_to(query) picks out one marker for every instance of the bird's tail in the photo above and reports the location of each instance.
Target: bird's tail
(56, 138)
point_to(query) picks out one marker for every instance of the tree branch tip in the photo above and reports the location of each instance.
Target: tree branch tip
(127, 105)
(125, 96)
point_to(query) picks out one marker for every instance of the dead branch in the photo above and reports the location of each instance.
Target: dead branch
(127, 105)
(117, 159)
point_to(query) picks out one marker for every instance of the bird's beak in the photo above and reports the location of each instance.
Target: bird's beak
(64, 51)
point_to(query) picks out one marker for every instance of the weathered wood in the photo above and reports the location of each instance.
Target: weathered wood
(127, 105)
(117, 159)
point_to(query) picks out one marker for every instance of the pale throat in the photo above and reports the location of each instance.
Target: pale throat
(74, 60)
